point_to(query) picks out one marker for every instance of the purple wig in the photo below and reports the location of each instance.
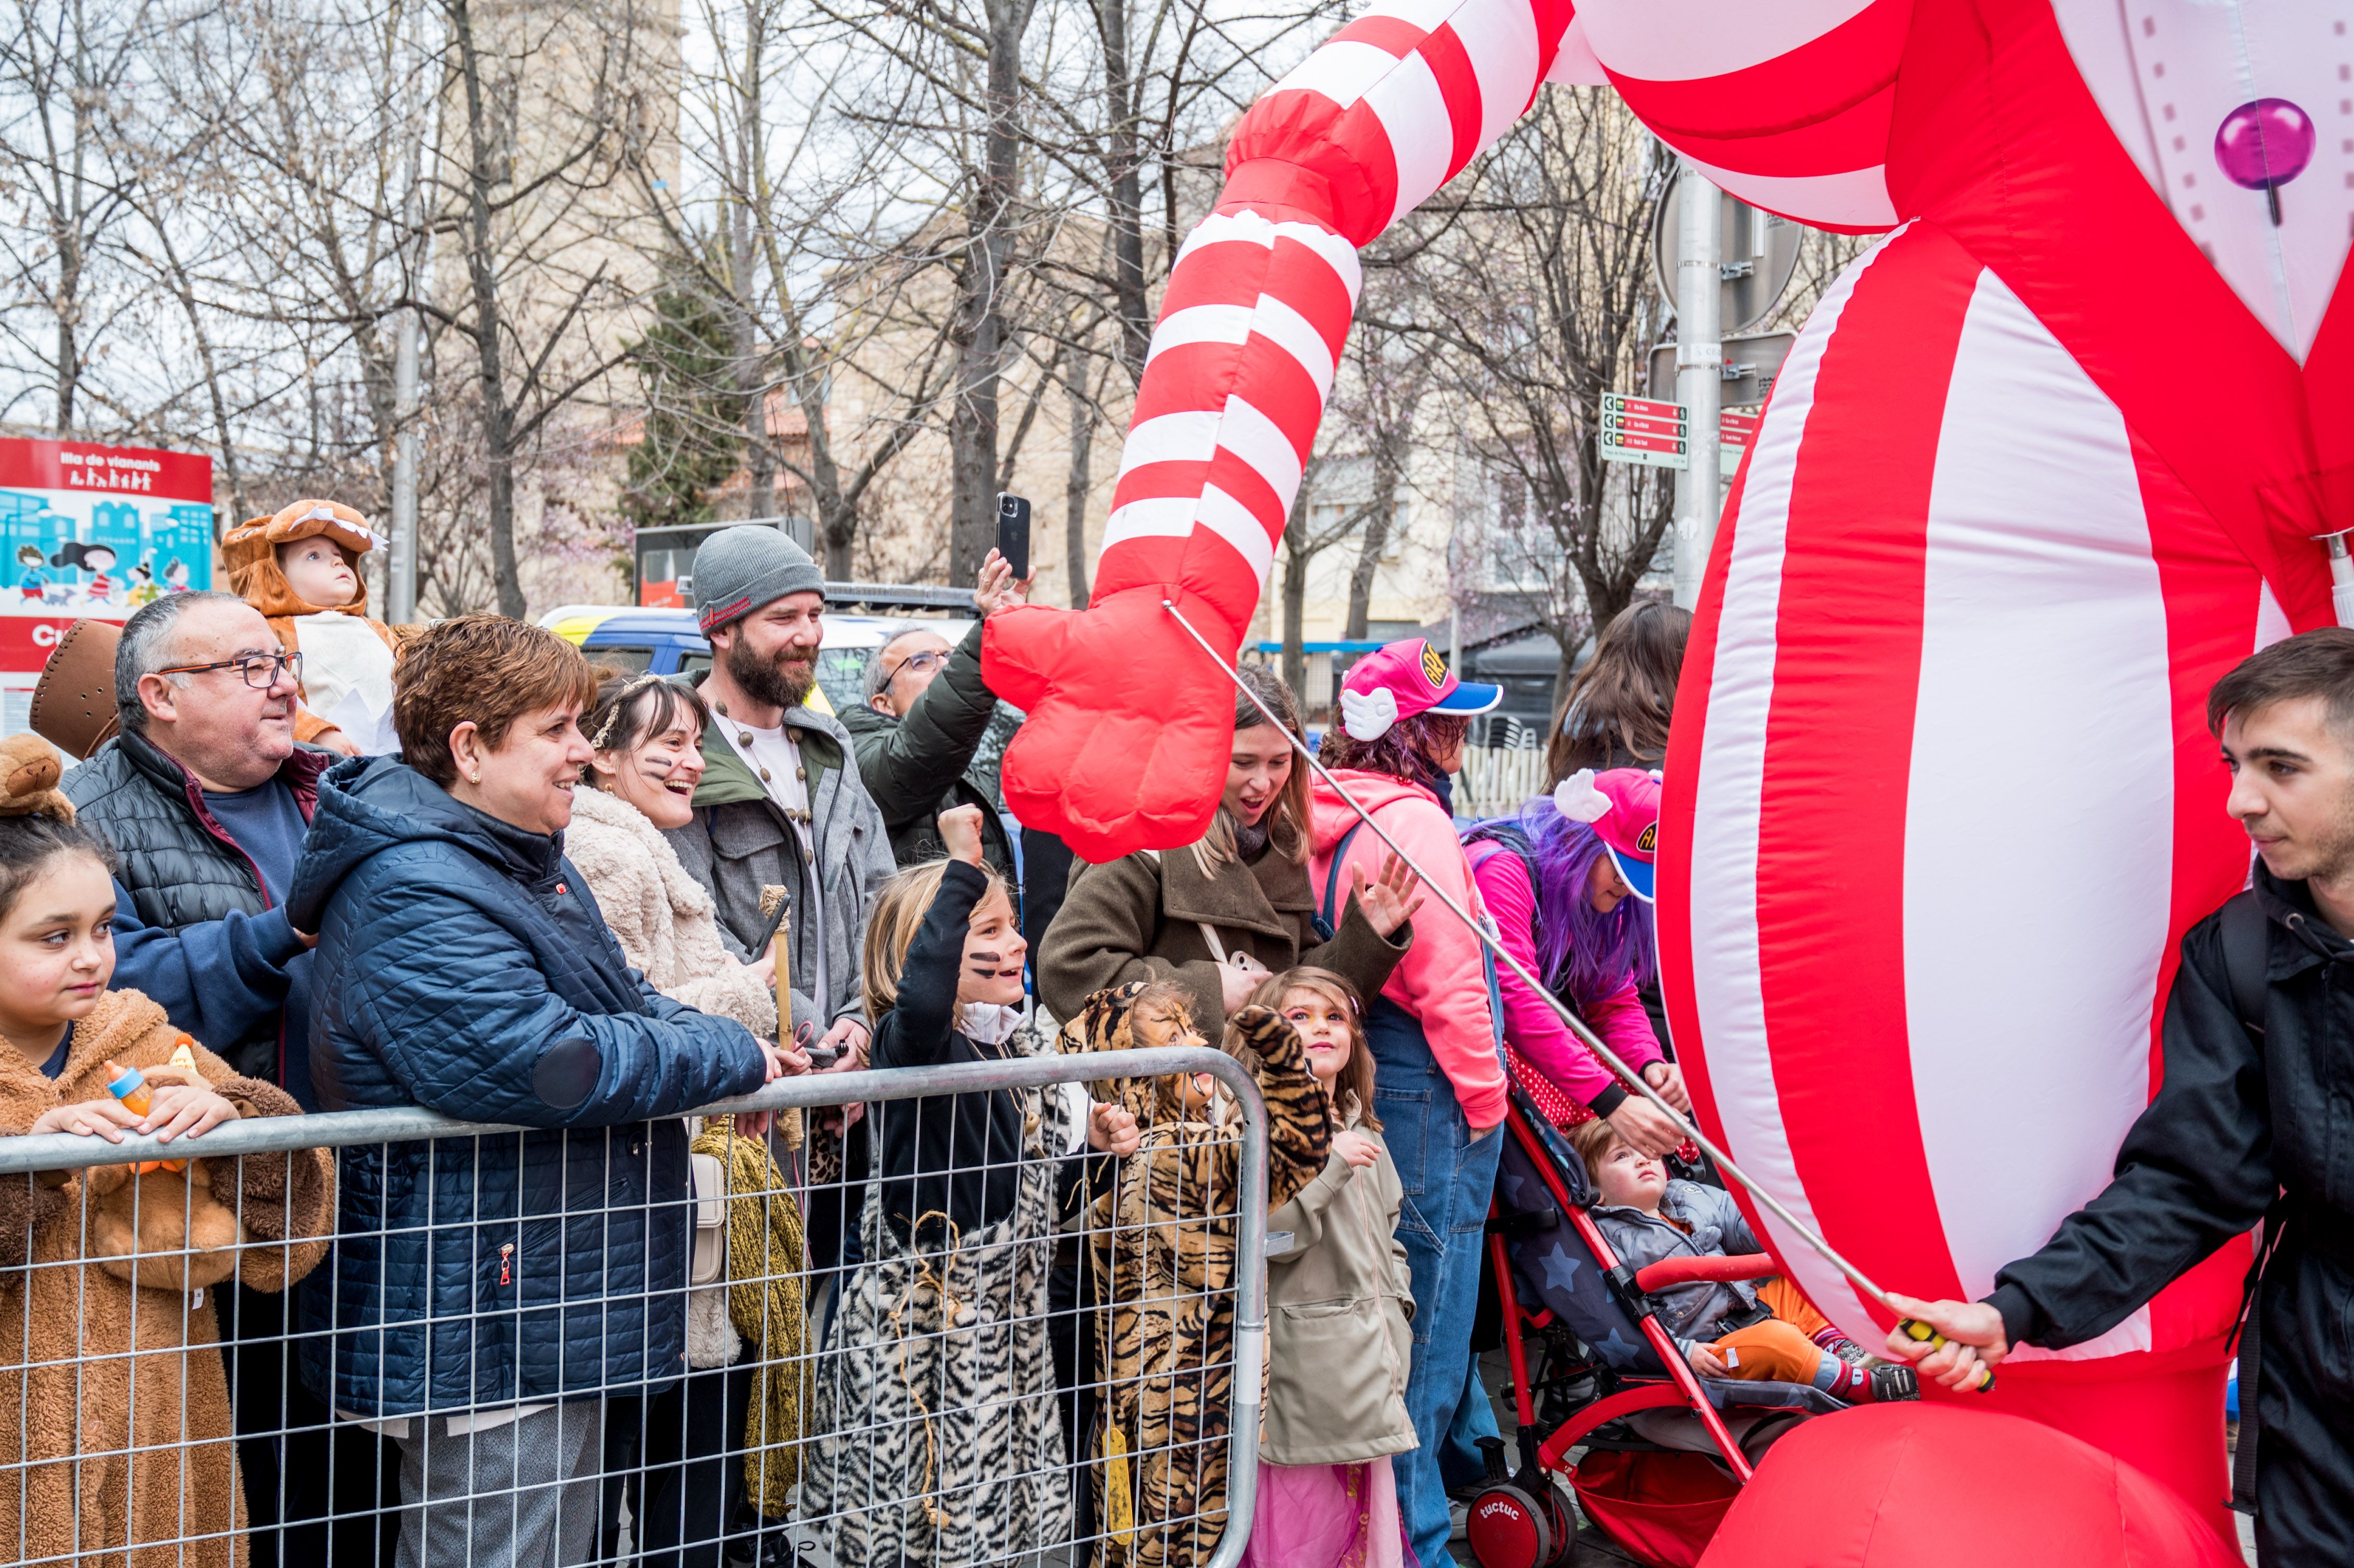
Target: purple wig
(1583, 954)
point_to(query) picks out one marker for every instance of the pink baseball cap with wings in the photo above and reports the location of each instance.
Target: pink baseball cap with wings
(1622, 806)
(1405, 679)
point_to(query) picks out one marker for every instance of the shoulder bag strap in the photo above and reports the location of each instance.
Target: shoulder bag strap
(1328, 917)
(2246, 951)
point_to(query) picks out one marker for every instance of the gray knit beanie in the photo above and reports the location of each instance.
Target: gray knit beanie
(739, 570)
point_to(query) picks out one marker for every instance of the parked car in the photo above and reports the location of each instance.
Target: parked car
(667, 642)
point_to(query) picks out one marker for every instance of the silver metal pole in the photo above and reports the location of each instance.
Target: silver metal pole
(400, 585)
(1699, 376)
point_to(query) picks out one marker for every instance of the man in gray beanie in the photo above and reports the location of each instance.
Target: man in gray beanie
(780, 803)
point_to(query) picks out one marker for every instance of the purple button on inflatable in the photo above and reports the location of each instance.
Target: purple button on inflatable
(2263, 144)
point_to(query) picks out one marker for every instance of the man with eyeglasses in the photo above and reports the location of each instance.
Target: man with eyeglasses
(926, 713)
(207, 798)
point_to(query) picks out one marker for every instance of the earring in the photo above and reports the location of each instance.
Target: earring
(476, 776)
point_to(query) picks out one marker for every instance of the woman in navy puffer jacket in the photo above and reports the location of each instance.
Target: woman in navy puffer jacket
(487, 1294)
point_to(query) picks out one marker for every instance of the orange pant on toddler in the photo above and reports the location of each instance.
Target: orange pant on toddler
(1776, 1352)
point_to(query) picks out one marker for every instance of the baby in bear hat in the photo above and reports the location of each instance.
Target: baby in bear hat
(300, 569)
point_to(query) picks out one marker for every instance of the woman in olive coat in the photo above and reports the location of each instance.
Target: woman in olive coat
(1218, 918)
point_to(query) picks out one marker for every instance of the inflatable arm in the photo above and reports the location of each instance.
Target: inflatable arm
(1129, 723)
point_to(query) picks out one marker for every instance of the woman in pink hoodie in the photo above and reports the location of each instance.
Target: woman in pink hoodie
(1438, 1079)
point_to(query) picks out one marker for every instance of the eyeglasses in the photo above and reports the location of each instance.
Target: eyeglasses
(930, 659)
(260, 670)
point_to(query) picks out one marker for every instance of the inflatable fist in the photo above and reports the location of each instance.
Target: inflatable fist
(1126, 715)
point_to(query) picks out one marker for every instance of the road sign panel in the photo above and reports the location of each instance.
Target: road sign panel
(1649, 431)
(1736, 430)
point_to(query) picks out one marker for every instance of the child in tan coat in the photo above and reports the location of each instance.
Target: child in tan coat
(115, 1436)
(301, 570)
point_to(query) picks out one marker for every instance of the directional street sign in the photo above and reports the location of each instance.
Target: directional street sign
(1643, 429)
(1736, 428)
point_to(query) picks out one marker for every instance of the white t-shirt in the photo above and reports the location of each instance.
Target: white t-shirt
(774, 756)
(347, 679)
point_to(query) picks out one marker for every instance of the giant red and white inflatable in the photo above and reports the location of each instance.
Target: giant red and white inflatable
(2045, 462)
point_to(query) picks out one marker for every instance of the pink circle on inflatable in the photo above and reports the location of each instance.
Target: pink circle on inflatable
(2266, 144)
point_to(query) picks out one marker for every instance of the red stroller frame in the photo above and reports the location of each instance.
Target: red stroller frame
(1520, 1520)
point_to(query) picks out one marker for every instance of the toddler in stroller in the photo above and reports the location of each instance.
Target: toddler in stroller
(1721, 1326)
(1606, 1394)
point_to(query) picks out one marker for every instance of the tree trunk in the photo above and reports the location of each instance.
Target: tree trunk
(1295, 613)
(481, 273)
(1127, 191)
(972, 427)
(1076, 486)
(1378, 522)
(760, 456)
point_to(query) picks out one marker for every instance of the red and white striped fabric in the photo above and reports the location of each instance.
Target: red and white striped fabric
(1786, 105)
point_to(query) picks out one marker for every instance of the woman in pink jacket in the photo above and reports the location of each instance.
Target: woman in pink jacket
(1568, 884)
(1438, 1081)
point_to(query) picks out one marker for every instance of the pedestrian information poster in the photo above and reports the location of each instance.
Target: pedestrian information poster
(1644, 430)
(91, 532)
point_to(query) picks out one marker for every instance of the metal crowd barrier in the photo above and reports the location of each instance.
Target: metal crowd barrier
(112, 1448)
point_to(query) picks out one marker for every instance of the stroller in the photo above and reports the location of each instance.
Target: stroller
(1666, 1453)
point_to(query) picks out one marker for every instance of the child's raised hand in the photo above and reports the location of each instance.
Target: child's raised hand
(1112, 1130)
(1704, 1362)
(192, 1110)
(107, 1118)
(1356, 1149)
(960, 832)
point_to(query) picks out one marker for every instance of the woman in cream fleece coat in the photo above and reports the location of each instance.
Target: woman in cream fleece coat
(647, 734)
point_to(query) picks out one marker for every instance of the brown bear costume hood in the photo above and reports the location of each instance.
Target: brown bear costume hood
(250, 552)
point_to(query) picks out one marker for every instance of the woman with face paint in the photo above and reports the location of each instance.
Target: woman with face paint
(675, 1457)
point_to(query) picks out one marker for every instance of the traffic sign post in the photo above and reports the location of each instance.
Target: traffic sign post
(1645, 430)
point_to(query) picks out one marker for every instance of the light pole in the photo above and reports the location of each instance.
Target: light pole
(1698, 376)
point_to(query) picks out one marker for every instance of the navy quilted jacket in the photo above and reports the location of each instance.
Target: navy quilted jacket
(463, 966)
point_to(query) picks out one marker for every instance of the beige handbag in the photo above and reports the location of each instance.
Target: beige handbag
(707, 1265)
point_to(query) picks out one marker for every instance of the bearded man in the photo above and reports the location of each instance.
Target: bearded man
(780, 803)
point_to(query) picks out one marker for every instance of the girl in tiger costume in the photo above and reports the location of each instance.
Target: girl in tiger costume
(1162, 1244)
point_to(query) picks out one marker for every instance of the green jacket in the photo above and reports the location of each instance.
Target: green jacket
(916, 766)
(739, 841)
(1140, 918)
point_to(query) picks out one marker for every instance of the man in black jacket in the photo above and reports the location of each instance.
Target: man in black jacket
(927, 712)
(2249, 1110)
(207, 800)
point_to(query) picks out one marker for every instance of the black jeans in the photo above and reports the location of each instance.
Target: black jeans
(2305, 1455)
(676, 1458)
(317, 1490)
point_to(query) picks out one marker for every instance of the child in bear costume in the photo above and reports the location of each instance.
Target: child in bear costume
(115, 1434)
(301, 570)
